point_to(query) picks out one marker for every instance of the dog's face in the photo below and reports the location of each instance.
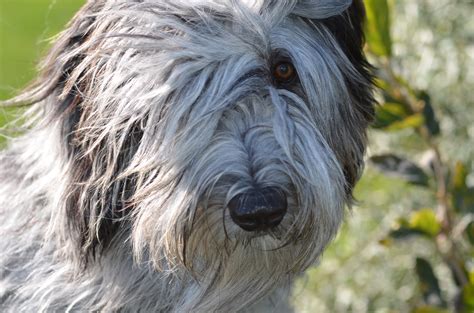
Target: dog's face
(220, 138)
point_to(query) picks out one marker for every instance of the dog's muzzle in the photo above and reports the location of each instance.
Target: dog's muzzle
(259, 209)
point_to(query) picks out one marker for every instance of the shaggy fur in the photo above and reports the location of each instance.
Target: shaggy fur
(147, 118)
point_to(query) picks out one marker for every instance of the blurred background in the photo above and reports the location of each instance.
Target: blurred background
(408, 245)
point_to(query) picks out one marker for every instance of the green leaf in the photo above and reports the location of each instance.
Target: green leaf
(404, 233)
(391, 95)
(389, 113)
(470, 232)
(463, 196)
(426, 222)
(386, 242)
(468, 297)
(402, 230)
(430, 119)
(377, 27)
(459, 176)
(395, 116)
(421, 223)
(381, 84)
(471, 277)
(396, 166)
(464, 201)
(429, 284)
(413, 121)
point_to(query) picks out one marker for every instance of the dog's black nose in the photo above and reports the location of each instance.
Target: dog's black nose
(259, 209)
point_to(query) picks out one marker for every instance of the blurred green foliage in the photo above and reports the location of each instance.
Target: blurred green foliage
(408, 245)
(26, 26)
(26, 29)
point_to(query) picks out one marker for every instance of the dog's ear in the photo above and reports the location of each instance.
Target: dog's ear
(348, 30)
(348, 27)
(320, 9)
(345, 21)
(95, 194)
(343, 18)
(97, 197)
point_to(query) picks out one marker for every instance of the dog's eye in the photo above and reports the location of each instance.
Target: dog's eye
(284, 72)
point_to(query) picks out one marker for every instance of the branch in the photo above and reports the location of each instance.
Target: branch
(446, 246)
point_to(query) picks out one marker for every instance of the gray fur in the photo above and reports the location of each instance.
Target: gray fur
(147, 118)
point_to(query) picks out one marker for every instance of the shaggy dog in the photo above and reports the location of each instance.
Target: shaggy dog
(184, 155)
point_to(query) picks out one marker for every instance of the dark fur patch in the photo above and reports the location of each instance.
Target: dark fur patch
(349, 32)
(114, 203)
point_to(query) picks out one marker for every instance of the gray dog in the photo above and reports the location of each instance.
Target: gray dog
(184, 155)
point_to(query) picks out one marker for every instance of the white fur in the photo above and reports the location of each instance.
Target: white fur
(172, 70)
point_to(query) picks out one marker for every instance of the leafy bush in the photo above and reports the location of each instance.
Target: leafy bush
(449, 225)
(420, 258)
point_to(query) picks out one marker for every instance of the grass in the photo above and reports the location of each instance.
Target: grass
(25, 29)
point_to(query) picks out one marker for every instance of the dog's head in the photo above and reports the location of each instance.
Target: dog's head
(220, 138)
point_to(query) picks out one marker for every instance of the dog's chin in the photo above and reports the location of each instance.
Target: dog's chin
(270, 236)
(288, 249)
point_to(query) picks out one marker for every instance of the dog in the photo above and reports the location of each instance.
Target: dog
(184, 156)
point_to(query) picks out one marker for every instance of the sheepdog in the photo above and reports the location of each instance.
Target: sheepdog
(184, 155)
